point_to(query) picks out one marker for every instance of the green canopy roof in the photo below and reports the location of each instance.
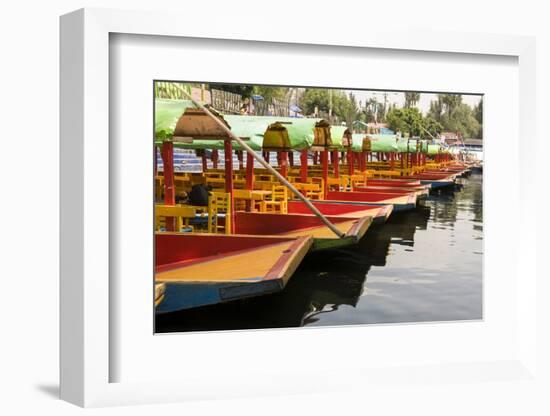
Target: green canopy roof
(434, 149)
(337, 136)
(357, 142)
(167, 114)
(386, 143)
(408, 146)
(251, 129)
(248, 128)
(424, 146)
(299, 131)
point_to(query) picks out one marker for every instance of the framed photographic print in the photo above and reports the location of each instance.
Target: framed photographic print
(243, 214)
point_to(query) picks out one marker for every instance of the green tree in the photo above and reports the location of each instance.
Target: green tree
(478, 111)
(456, 116)
(381, 113)
(269, 93)
(411, 99)
(478, 114)
(405, 120)
(431, 128)
(315, 98)
(350, 110)
(436, 110)
(449, 102)
(461, 120)
(371, 110)
(324, 100)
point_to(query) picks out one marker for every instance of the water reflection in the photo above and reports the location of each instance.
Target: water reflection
(422, 265)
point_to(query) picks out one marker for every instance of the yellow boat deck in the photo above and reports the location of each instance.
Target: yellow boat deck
(247, 265)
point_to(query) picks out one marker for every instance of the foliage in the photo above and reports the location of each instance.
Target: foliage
(269, 93)
(431, 128)
(450, 102)
(369, 112)
(436, 110)
(315, 99)
(324, 100)
(350, 109)
(461, 120)
(456, 116)
(478, 114)
(405, 120)
(411, 99)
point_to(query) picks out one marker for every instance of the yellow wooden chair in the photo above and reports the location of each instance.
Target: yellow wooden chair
(240, 199)
(358, 180)
(344, 182)
(334, 184)
(278, 202)
(182, 213)
(219, 203)
(317, 191)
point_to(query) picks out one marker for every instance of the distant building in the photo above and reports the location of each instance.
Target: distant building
(450, 137)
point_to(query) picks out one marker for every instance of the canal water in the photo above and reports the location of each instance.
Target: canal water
(422, 265)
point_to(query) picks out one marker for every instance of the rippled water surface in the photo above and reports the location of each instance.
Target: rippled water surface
(422, 265)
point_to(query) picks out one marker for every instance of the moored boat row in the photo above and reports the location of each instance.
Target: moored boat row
(230, 233)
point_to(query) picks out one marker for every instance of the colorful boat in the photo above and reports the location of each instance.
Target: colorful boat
(304, 225)
(420, 191)
(402, 183)
(260, 251)
(336, 140)
(193, 270)
(379, 213)
(400, 202)
(436, 180)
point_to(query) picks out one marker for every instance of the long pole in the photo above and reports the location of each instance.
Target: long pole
(266, 165)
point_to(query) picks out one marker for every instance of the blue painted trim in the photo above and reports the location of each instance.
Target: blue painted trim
(180, 296)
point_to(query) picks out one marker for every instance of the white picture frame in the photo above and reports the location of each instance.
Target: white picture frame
(86, 355)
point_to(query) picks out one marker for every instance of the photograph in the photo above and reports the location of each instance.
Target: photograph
(280, 206)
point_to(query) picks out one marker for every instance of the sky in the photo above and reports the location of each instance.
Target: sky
(399, 98)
